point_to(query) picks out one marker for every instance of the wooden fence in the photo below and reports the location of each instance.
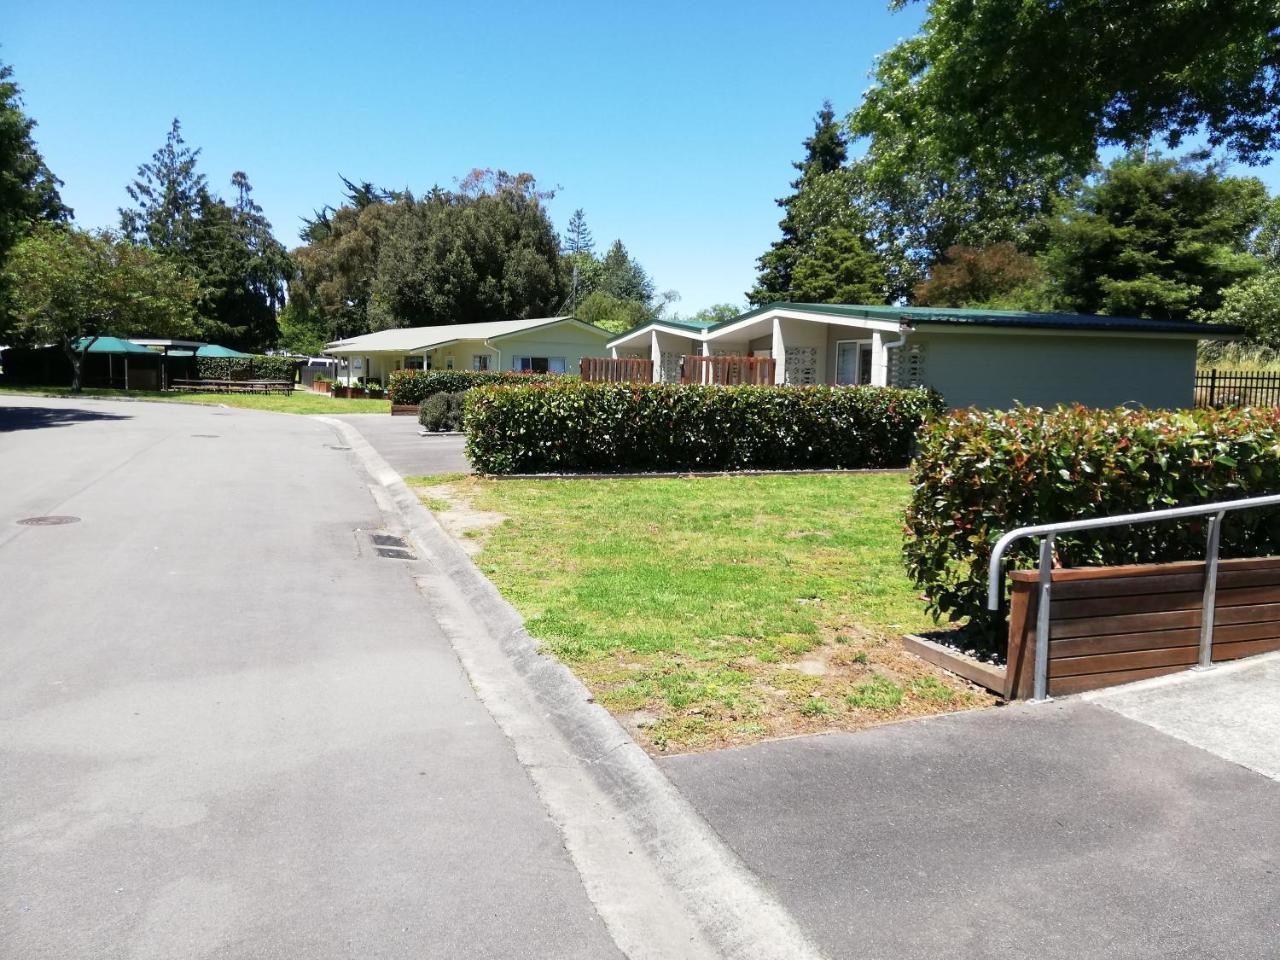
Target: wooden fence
(616, 370)
(1223, 388)
(726, 371)
(1112, 625)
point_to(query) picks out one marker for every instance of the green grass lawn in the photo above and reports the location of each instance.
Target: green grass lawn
(715, 610)
(300, 401)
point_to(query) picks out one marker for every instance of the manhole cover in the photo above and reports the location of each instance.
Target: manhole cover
(47, 521)
(207, 436)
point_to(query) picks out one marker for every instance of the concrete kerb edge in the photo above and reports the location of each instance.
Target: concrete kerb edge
(728, 904)
(1189, 676)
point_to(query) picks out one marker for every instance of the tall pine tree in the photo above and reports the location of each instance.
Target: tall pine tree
(825, 152)
(578, 235)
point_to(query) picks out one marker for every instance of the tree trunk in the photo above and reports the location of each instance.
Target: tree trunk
(77, 360)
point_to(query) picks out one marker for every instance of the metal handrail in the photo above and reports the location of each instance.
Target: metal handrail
(1047, 532)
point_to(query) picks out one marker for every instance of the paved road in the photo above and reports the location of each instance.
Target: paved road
(1064, 831)
(227, 728)
(399, 442)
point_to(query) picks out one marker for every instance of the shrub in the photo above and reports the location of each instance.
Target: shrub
(256, 367)
(609, 427)
(441, 411)
(980, 474)
(413, 386)
(432, 412)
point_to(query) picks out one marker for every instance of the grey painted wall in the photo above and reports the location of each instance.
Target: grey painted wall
(995, 370)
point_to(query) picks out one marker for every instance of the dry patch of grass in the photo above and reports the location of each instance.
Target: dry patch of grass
(713, 611)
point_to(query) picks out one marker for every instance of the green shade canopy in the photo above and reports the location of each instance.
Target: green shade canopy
(213, 350)
(112, 345)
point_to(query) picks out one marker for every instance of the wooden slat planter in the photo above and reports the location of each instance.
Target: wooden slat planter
(1112, 625)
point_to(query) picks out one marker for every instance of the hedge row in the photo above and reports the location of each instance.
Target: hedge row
(979, 474)
(414, 386)
(256, 367)
(572, 426)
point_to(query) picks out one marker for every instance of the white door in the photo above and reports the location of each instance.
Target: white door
(853, 362)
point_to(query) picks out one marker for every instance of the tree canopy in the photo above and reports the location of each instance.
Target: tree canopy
(69, 284)
(28, 190)
(1154, 237)
(227, 248)
(1029, 79)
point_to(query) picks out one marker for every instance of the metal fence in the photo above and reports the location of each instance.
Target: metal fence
(1237, 388)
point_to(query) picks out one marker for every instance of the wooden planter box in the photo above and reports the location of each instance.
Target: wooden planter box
(1111, 625)
(404, 409)
(348, 393)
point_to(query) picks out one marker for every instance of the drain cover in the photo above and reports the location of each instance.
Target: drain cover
(334, 446)
(47, 521)
(393, 548)
(210, 436)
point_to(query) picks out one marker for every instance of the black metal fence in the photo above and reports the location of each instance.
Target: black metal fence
(1237, 388)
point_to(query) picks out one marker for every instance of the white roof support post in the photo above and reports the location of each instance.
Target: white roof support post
(655, 354)
(613, 352)
(779, 353)
(879, 360)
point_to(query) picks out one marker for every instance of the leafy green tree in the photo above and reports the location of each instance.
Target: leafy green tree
(840, 268)
(1031, 79)
(1154, 237)
(71, 286)
(578, 234)
(612, 314)
(978, 276)
(485, 252)
(1255, 305)
(1265, 244)
(716, 313)
(335, 271)
(301, 330)
(623, 278)
(28, 191)
(228, 249)
(826, 150)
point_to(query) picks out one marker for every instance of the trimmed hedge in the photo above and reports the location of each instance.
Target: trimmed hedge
(980, 474)
(414, 386)
(256, 367)
(572, 426)
(441, 411)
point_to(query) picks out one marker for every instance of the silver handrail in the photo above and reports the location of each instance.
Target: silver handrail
(1047, 531)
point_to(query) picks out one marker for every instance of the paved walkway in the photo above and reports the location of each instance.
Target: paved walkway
(1064, 830)
(228, 728)
(398, 441)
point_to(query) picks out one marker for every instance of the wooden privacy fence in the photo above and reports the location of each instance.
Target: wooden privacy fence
(1110, 625)
(727, 371)
(1254, 388)
(616, 370)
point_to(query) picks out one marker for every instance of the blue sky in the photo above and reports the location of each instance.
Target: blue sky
(672, 124)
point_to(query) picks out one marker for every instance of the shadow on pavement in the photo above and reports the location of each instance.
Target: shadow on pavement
(37, 418)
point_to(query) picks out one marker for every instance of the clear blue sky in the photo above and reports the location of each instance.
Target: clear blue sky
(673, 125)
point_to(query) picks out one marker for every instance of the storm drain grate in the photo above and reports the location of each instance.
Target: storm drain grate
(54, 521)
(393, 548)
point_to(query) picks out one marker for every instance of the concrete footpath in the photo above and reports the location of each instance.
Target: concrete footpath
(398, 441)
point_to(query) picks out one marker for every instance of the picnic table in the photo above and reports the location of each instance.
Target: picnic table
(234, 386)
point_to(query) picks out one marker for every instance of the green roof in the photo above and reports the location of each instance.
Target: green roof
(977, 317)
(214, 350)
(112, 345)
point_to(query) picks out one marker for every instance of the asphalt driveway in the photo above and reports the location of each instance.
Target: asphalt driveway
(228, 726)
(1068, 830)
(398, 440)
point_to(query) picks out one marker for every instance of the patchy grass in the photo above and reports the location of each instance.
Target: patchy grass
(715, 610)
(300, 401)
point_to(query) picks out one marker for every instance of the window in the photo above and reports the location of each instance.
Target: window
(448, 364)
(415, 363)
(539, 364)
(480, 361)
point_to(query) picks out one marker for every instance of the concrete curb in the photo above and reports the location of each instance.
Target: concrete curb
(663, 882)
